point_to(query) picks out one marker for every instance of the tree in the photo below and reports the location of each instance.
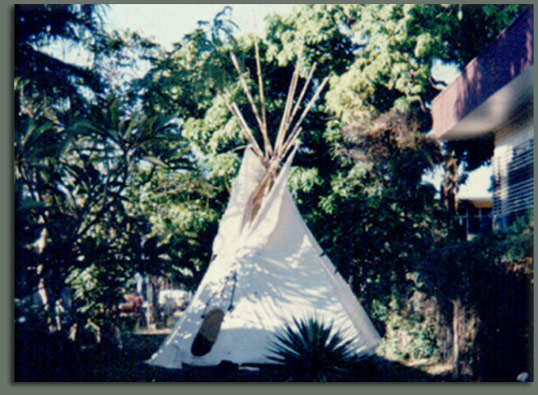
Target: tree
(37, 29)
(136, 175)
(43, 83)
(380, 59)
(77, 180)
(392, 68)
(397, 47)
(484, 292)
(80, 161)
(393, 48)
(184, 204)
(377, 200)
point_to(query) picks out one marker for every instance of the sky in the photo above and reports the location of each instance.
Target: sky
(168, 23)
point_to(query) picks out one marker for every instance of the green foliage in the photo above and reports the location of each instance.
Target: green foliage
(39, 26)
(379, 182)
(411, 332)
(77, 180)
(311, 350)
(184, 81)
(322, 28)
(183, 212)
(397, 45)
(491, 277)
(133, 175)
(119, 58)
(476, 263)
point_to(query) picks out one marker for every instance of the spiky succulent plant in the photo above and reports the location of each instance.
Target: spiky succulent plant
(310, 350)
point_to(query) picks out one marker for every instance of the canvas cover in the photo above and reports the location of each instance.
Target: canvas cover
(262, 274)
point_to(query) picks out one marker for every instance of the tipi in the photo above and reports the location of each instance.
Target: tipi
(266, 267)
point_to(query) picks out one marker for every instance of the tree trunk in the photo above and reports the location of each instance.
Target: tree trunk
(155, 288)
(455, 337)
(449, 187)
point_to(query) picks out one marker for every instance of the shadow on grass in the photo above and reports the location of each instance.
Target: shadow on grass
(55, 359)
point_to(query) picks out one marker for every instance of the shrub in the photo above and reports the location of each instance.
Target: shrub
(309, 350)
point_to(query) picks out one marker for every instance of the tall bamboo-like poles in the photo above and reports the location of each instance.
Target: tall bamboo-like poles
(267, 144)
(272, 157)
(261, 124)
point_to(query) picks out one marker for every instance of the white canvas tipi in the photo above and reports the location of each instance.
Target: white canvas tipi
(266, 269)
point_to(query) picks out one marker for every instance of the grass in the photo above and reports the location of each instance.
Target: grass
(56, 360)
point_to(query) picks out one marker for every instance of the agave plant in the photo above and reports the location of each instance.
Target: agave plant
(309, 350)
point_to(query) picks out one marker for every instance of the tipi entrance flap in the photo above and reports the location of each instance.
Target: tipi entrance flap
(208, 332)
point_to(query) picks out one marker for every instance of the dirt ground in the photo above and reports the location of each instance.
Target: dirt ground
(56, 359)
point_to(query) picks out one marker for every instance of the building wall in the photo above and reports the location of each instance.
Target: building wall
(513, 172)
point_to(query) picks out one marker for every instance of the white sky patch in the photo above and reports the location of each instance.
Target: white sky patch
(477, 184)
(168, 23)
(69, 52)
(446, 72)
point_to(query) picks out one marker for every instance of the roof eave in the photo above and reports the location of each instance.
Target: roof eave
(492, 88)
